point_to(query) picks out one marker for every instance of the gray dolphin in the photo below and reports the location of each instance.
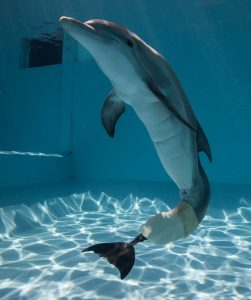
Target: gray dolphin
(143, 79)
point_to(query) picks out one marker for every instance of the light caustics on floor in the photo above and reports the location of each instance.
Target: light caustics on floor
(41, 253)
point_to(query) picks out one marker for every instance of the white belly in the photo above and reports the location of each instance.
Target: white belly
(175, 142)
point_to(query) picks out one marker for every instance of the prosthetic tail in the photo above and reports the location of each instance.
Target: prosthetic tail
(121, 255)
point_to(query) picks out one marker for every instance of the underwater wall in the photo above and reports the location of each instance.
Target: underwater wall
(55, 108)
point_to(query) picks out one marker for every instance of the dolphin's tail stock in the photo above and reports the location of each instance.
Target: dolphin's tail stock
(121, 255)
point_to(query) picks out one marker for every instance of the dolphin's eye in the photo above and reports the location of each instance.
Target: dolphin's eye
(130, 43)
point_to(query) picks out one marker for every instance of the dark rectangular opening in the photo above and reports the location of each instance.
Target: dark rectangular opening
(44, 52)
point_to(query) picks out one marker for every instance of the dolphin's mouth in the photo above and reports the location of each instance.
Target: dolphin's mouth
(67, 22)
(72, 25)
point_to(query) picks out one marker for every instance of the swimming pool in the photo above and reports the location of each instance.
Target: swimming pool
(41, 250)
(65, 184)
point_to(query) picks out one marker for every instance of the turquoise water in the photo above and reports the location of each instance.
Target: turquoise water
(51, 134)
(41, 252)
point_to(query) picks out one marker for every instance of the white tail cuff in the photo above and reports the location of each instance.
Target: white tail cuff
(172, 225)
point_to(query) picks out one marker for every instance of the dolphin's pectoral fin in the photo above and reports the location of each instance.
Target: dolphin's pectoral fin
(202, 142)
(156, 91)
(112, 109)
(121, 255)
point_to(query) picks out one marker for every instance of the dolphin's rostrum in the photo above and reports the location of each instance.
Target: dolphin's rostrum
(142, 78)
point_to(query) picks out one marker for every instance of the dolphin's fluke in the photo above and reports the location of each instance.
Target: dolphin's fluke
(121, 255)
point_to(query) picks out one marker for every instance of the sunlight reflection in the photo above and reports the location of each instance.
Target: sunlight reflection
(40, 252)
(31, 153)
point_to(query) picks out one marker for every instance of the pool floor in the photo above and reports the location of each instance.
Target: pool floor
(40, 252)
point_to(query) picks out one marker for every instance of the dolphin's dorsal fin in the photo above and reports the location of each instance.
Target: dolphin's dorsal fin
(112, 109)
(202, 142)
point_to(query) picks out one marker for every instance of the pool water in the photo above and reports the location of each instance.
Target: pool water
(51, 135)
(41, 255)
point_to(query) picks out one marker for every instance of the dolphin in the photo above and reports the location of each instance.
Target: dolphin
(143, 79)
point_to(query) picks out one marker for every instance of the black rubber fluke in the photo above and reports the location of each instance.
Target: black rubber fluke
(121, 255)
